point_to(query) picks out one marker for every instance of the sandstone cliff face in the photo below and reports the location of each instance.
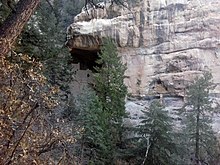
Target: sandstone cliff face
(165, 44)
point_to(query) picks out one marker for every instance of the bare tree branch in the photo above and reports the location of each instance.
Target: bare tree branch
(147, 150)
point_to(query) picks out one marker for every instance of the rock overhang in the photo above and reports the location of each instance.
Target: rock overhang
(172, 40)
(84, 42)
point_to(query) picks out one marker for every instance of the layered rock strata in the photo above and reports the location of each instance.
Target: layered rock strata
(164, 43)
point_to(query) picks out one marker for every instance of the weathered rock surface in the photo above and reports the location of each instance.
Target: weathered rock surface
(165, 43)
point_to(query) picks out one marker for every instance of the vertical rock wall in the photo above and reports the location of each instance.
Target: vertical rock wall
(164, 43)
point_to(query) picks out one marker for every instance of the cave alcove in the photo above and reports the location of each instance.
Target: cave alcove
(86, 58)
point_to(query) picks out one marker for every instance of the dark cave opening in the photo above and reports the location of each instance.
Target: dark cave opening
(86, 58)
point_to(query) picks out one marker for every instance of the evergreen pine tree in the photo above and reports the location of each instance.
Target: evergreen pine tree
(109, 84)
(44, 37)
(109, 81)
(100, 115)
(92, 122)
(200, 138)
(156, 146)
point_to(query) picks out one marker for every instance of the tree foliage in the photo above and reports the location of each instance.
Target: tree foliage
(109, 82)
(29, 131)
(198, 122)
(101, 116)
(111, 90)
(30, 128)
(25, 101)
(156, 146)
(44, 38)
(93, 137)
